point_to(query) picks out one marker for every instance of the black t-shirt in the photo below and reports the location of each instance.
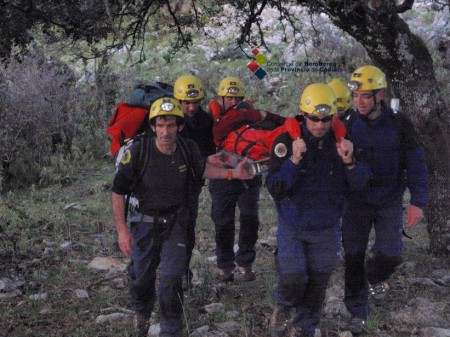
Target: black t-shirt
(199, 129)
(163, 183)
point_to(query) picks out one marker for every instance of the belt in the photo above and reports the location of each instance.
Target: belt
(160, 212)
(139, 217)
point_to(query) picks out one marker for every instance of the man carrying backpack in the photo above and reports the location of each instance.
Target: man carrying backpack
(386, 141)
(158, 236)
(307, 178)
(198, 125)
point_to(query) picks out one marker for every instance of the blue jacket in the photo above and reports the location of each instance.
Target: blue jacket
(310, 195)
(390, 146)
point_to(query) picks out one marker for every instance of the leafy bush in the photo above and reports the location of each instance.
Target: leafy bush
(34, 122)
(49, 123)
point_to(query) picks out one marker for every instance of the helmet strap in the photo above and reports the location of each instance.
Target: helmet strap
(375, 103)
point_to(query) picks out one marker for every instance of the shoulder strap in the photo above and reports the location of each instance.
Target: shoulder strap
(186, 152)
(348, 122)
(405, 130)
(144, 157)
(145, 153)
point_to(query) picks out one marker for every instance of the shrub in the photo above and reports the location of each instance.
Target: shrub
(33, 123)
(49, 123)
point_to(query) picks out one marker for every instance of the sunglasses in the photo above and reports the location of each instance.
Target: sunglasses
(316, 119)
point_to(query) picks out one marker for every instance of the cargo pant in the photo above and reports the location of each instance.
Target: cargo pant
(159, 242)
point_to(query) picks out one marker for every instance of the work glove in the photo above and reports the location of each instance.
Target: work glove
(414, 215)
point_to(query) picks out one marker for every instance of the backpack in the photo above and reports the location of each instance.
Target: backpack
(130, 118)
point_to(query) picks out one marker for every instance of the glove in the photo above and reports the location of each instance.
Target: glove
(413, 216)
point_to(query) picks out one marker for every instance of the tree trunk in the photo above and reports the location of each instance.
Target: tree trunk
(408, 66)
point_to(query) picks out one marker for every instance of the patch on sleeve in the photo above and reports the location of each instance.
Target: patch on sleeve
(280, 150)
(126, 158)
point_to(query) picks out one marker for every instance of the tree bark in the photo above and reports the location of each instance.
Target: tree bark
(408, 66)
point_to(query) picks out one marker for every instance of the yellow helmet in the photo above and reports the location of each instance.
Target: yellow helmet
(188, 88)
(165, 106)
(318, 99)
(231, 87)
(367, 78)
(342, 92)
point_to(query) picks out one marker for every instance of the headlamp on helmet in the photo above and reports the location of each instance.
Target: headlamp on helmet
(353, 85)
(233, 90)
(367, 78)
(188, 88)
(322, 109)
(318, 99)
(165, 106)
(193, 93)
(231, 87)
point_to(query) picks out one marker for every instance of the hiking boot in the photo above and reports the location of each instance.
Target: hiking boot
(247, 273)
(226, 275)
(300, 333)
(356, 326)
(279, 321)
(378, 290)
(141, 324)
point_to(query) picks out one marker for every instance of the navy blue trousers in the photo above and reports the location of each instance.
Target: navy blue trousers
(356, 226)
(306, 260)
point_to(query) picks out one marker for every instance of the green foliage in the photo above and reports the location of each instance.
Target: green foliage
(373, 322)
(270, 283)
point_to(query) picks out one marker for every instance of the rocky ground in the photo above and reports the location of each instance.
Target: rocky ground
(72, 281)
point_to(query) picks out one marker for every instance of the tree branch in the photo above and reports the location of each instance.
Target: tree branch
(405, 6)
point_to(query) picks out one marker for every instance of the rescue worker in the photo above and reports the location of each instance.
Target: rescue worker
(387, 142)
(307, 178)
(343, 98)
(158, 236)
(198, 124)
(226, 194)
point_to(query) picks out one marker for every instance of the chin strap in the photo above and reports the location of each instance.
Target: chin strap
(375, 103)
